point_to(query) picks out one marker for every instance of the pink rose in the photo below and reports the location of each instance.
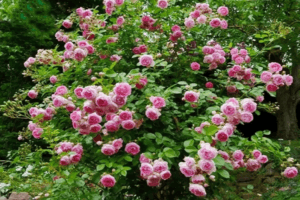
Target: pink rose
(201, 19)
(146, 60)
(118, 143)
(32, 94)
(209, 85)
(195, 66)
(252, 165)
(189, 161)
(262, 159)
(186, 171)
(75, 158)
(152, 113)
(260, 98)
(122, 89)
(95, 128)
(128, 124)
(274, 67)
(162, 4)
(160, 166)
(89, 106)
(224, 25)
(222, 136)
(231, 89)
(224, 154)
(119, 2)
(108, 149)
(90, 49)
(67, 23)
(238, 155)
(143, 48)
(94, 118)
(132, 148)
(175, 28)
(249, 105)
(59, 101)
(195, 14)
(191, 96)
(78, 149)
(61, 90)
(136, 50)
(53, 79)
(228, 109)
(199, 178)
(216, 22)
(278, 79)
(228, 128)
(146, 169)
(37, 132)
(111, 126)
(288, 79)
(102, 100)
(125, 115)
(246, 117)
(153, 180)
(32, 126)
(266, 76)
(120, 20)
(165, 175)
(143, 159)
(158, 102)
(69, 46)
(239, 60)
(207, 153)
(66, 146)
(108, 181)
(271, 87)
(207, 165)
(223, 10)
(189, 22)
(197, 190)
(79, 54)
(89, 92)
(65, 160)
(290, 172)
(217, 119)
(256, 154)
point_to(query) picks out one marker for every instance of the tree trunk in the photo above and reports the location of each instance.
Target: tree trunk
(288, 98)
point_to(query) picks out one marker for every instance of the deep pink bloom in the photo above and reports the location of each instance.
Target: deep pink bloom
(132, 148)
(61, 90)
(216, 22)
(222, 136)
(65, 160)
(53, 79)
(238, 155)
(197, 190)
(162, 4)
(118, 143)
(108, 149)
(160, 166)
(94, 118)
(263, 159)
(158, 102)
(256, 154)
(152, 113)
(32, 94)
(108, 181)
(191, 96)
(165, 175)
(223, 10)
(37, 132)
(75, 158)
(78, 149)
(67, 23)
(290, 172)
(128, 124)
(271, 87)
(195, 66)
(217, 119)
(146, 169)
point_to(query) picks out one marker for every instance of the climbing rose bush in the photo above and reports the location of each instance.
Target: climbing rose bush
(137, 104)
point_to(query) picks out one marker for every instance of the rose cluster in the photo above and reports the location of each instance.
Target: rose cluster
(140, 49)
(153, 112)
(153, 172)
(60, 36)
(60, 101)
(113, 147)
(273, 79)
(241, 73)
(74, 153)
(142, 82)
(148, 23)
(176, 33)
(240, 56)
(30, 61)
(35, 129)
(214, 55)
(203, 14)
(78, 52)
(110, 5)
(47, 113)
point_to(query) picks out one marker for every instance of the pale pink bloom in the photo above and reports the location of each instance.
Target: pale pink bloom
(59, 101)
(249, 105)
(65, 160)
(120, 20)
(26, 64)
(61, 90)
(288, 79)
(152, 113)
(190, 162)
(132, 148)
(109, 3)
(222, 136)
(216, 22)
(78, 92)
(143, 159)
(162, 4)
(160, 166)
(223, 10)
(224, 154)
(146, 60)
(102, 100)
(260, 98)
(197, 190)
(191, 96)
(207, 165)
(118, 143)
(111, 126)
(233, 100)
(108, 181)
(128, 124)
(239, 60)
(158, 102)
(243, 52)
(290, 172)
(234, 51)
(33, 111)
(224, 24)
(89, 106)
(238, 155)
(252, 165)
(79, 11)
(83, 44)
(37, 132)
(274, 67)
(120, 101)
(78, 149)
(189, 22)
(208, 59)
(186, 171)
(271, 87)
(278, 79)
(228, 109)
(217, 119)
(79, 54)
(122, 89)
(256, 154)
(108, 149)
(199, 178)
(89, 92)
(69, 46)
(262, 159)
(165, 175)
(87, 13)
(207, 153)
(53, 79)
(119, 2)
(32, 94)
(246, 117)
(146, 169)
(153, 180)
(195, 66)
(228, 128)
(201, 19)
(32, 126)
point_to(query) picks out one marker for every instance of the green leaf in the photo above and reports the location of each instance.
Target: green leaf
(124, 173)
(188, 143)
(219, 160)
(182, 83)
(128, 158)
(250, 187)
(164, 63)
(254, 138)
(228, 166)
(100, 167)
(191, 149)
(176, 90)
(224, 173)
(110, 73)
(267, 132)
(80, 183)
(210, 130)
(169, 152)
(239, 86)
(150, 136)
